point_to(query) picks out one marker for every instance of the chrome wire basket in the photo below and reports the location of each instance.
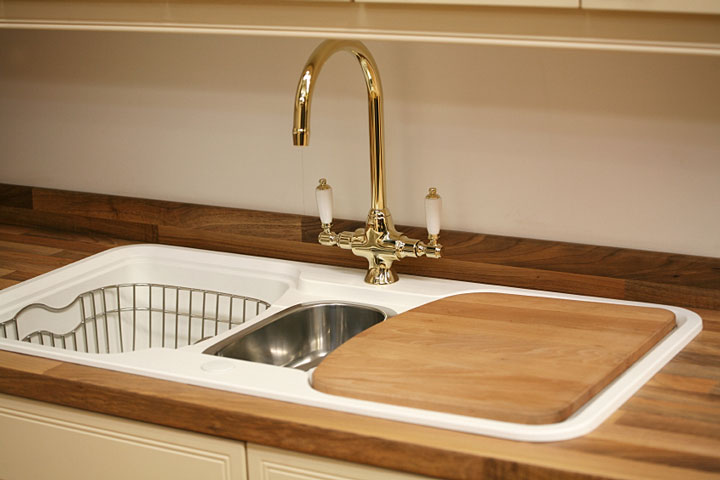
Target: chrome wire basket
(134, 316)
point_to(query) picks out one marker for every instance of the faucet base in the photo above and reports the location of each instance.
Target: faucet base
(380, 244)
(380, 275)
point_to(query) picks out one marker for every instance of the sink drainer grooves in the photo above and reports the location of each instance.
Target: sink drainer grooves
(133, 316)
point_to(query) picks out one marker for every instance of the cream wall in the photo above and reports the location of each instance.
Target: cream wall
(605, 148)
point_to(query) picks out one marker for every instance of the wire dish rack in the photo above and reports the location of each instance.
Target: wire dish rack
(133, 316)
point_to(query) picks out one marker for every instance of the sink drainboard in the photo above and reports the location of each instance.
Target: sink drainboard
(132, 316)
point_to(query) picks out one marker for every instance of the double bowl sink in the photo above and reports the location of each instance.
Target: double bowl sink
(238, 322)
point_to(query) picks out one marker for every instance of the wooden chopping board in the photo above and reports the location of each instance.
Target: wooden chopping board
(506, 357)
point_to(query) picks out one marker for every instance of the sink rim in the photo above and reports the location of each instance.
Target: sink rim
(308, 282)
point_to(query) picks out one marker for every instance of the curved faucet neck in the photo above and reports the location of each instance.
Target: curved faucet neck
(301, 127)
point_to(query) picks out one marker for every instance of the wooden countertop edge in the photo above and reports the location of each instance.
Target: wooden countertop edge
(311, 430)
(377, 442)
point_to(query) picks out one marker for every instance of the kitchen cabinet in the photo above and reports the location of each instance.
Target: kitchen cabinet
(265, 463)
(42, 441)
(675, 6)
(586, 24)
(45, 441)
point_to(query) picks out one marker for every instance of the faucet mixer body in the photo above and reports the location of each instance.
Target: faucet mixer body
(379, 242)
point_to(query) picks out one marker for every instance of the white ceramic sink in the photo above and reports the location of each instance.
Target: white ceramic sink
(281, 284)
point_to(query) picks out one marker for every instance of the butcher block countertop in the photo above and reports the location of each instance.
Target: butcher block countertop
(669, 430)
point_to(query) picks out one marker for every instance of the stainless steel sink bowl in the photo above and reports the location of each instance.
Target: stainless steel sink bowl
(300, 336)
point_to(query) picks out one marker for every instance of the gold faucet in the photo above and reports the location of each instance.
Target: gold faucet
(378, 242)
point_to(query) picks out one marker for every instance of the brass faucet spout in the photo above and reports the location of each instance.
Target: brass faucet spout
(303, 97)
(378, 242)
(301, 138)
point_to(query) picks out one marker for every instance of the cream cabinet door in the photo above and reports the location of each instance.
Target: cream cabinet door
(265, 463)
(40, 441)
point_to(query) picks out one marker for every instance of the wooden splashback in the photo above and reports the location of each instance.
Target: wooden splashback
(654, 277)
(506, 357)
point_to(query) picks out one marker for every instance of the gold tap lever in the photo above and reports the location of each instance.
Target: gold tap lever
(378, 242)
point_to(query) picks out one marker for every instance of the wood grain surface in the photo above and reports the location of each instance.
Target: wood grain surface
(669, 430)
(681, 280)
(504, 357)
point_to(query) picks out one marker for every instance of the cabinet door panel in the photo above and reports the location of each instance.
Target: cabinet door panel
(265, 463)
(42, 441)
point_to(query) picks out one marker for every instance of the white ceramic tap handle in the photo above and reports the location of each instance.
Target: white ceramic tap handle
(433, 205)
(324, 197)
